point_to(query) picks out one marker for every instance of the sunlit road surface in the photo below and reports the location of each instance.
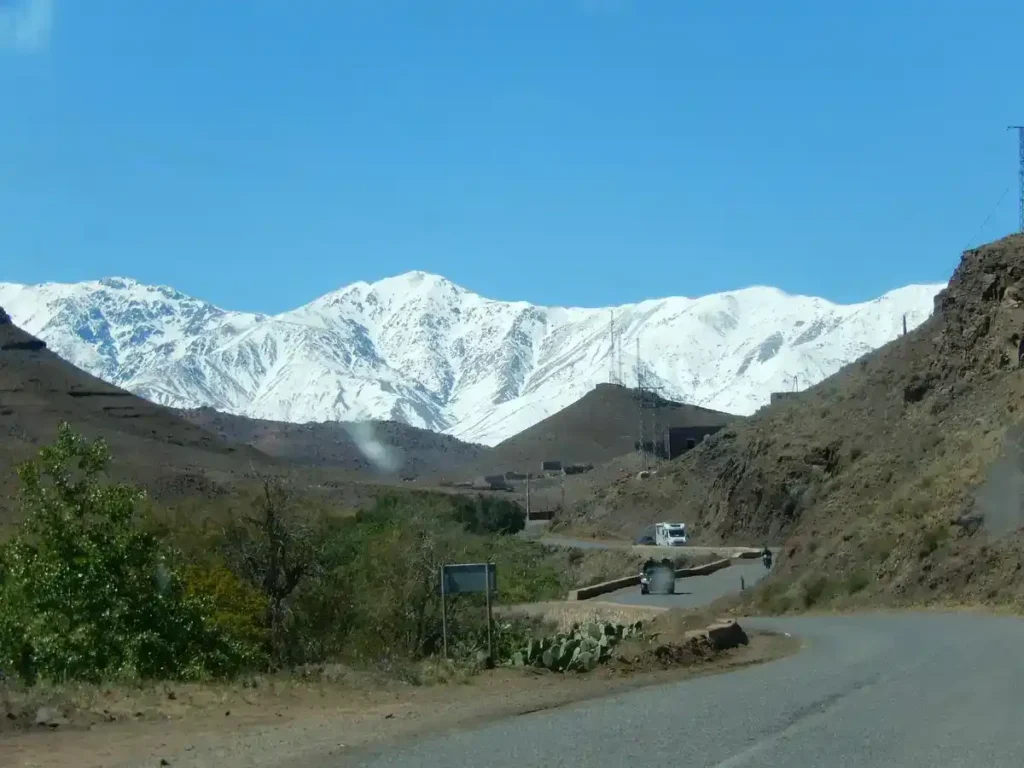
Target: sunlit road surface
(887, 690)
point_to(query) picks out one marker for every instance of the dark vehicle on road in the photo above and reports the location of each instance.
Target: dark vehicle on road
(658, 578)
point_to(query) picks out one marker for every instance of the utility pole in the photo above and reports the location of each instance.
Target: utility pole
(611, 349)
(1020, 172)
(642, 407)
(622, 381)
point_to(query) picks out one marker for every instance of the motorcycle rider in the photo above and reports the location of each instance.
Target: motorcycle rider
(645, 575)
(766, 556)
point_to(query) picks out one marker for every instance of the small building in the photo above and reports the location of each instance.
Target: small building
(682, 439)
(551, 466)
(577, 469)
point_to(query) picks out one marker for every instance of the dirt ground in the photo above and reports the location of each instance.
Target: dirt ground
(285, 724)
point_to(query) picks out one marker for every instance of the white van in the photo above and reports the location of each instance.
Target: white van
(670, 534)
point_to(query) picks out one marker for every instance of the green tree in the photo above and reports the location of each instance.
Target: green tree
(277, 551)
(85, 594)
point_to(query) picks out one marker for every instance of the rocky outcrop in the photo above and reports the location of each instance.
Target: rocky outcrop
(869, 478)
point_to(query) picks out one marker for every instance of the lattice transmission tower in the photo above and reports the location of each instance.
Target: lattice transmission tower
(1020, 174)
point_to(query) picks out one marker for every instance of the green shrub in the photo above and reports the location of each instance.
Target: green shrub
(857, 581)
(384, 565)
(526, 573)
(817, 589)
(86, 595)
(235, 608)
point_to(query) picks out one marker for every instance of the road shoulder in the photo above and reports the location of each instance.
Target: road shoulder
(324, 722)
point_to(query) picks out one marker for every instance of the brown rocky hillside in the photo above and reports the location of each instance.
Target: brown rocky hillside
(414, 451)
(152, 446)
(902, 476)
(600, 426)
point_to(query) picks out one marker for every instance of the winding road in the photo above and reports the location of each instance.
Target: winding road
(908, 690)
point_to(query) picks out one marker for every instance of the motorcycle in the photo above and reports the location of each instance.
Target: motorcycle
(645, 583)
(766, 558)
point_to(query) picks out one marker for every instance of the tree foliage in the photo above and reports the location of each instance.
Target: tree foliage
(486, 514)
(85, 594)
(276, 551)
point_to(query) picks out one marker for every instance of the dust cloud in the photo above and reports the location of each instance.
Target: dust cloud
(386, 458)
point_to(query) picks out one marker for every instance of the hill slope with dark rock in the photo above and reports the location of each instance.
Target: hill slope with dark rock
(902, 476)
(153, 446)
(377, 448)
(602, 425)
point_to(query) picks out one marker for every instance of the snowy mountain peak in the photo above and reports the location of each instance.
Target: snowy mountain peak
(418, 348)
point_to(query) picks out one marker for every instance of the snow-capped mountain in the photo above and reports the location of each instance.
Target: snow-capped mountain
(420, 349)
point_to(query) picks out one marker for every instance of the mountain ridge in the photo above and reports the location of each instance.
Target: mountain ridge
(420, 349)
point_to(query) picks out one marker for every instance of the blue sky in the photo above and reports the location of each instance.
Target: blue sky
(589, 152)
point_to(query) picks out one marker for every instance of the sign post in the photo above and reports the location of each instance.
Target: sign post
(490, 651)
(460, 578)
(444, 616)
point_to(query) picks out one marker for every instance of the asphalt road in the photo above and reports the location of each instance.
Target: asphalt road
(696, 590)
(909, 690)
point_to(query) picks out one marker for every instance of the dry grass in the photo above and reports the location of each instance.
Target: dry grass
(562, 615)
(83, 704)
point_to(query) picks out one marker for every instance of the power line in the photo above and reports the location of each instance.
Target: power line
(1020, 149)
(987, 218)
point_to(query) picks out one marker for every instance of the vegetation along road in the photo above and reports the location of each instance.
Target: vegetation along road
(870, 690)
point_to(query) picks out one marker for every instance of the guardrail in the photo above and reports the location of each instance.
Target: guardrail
(585, 593)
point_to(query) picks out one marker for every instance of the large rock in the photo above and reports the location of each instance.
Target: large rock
(720, 635)
(727, 634)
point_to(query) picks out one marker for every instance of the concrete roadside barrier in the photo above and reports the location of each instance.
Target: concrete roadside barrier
(748, 554)
(585, 593)
(704, 570)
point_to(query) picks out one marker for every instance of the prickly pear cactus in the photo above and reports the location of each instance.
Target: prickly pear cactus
(580, 649)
